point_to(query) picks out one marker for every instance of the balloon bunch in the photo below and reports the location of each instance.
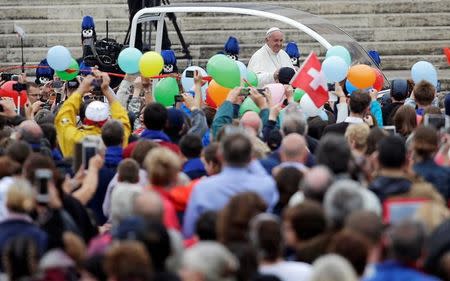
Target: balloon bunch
(337, 67)
(60, 59)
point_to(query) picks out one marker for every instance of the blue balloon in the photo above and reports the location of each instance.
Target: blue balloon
(129, 60)
(341, 52)
(350, 88)
(188, 83)
(59, 58)
(242, 69)
(424, 70)
(335, 69)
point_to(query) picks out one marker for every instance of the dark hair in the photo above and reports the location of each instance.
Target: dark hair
(18, 151)
(141, 149)
(20, 258)
(359, 102)
(426, 142)
(191, 146)
(205, 227)
(405, 120)
(237, 149)
(287, 180)
(376, 134)
(307, 219)
(233, 220)
(424, 93)
(49, 131)
(268, 239)
(392, 152)
(333, 151)
(155, 116)
(112, 133)
(406, 241)
(128, 171)
(352, 246)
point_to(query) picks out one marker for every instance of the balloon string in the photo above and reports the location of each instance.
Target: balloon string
(71, 70)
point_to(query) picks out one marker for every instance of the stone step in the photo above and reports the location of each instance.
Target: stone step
(315, 7)
(201, 54)
(212, 36)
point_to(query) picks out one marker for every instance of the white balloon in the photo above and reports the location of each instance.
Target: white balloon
(188, 83)
(308, 107)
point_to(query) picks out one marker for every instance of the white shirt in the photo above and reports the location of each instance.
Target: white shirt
(265, 62)
(288, 270)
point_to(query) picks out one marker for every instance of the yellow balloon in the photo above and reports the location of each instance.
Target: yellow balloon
(151, 64)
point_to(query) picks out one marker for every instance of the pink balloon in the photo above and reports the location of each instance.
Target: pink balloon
(277, 91)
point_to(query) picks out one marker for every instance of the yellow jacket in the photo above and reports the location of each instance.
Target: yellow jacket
(67, 132)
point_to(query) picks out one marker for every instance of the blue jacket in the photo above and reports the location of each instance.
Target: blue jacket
(11, 228)
(194, 168)
(436, 175)
(394, 271)
(113, 156)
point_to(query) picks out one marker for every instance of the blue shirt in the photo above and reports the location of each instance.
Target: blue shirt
(214, 192)
(394, 271)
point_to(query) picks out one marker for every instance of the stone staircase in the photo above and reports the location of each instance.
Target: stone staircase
(403, 31)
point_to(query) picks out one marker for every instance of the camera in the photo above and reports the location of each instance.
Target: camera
(57, 84)
(6, 76)
(189, 73)
(178, 98)
(438, 121)
(88, 150)
(19, 87)
(41, 180)
(245, 92)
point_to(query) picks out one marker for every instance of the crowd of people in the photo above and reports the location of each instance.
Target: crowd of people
(196, 193)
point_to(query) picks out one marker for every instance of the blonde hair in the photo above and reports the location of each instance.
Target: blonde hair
(162, 166)
(20, 197)
(358, 133)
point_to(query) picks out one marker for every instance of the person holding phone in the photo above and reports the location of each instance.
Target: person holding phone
(94, 116)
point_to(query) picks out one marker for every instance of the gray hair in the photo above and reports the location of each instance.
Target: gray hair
(341, 199)
(122, 201)
(333, 267)
(212, 260)
(294, 122)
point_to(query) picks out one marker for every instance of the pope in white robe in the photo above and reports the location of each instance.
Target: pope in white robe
(270, 58)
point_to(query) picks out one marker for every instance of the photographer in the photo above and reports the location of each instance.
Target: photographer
(95, 115)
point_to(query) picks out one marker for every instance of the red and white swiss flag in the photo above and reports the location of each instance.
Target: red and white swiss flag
(311, 79)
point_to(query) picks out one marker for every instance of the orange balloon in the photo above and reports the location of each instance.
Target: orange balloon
(361, 76)
(217, 93)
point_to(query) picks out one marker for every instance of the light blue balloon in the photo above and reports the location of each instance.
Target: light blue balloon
(188, 83)
(424, 70)
(350, 88)
(341, 52)
(242, 69)
(335, 69)
(129, 60)
(59, 58)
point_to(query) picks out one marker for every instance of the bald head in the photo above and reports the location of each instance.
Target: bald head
(251, 120)
(148, 204)
(30, 131)
(293, 148)
(316, 183)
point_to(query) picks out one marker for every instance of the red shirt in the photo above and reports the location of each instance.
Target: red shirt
(170, 219)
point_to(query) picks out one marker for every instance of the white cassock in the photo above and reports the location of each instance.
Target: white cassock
(265, 62)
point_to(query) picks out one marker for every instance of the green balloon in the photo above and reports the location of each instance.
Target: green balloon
(252, 79)
(73, 68)
(166, 90)
(248, 105)
(298, 94)
(224, 71)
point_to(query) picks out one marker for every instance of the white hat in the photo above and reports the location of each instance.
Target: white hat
(97, 111)
(272, 30)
